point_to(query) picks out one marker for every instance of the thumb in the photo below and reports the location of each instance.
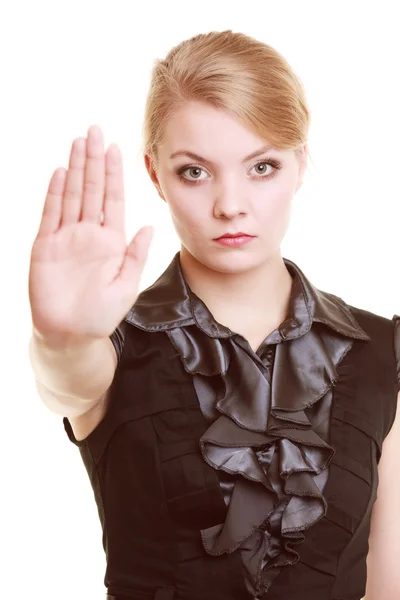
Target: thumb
(136, 254)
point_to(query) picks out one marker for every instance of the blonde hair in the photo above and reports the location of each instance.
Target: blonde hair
(234, 72)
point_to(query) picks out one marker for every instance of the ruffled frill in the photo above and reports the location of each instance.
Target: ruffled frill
(268, 436)
(263, 436)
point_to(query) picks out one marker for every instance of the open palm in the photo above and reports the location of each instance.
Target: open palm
(83, 276)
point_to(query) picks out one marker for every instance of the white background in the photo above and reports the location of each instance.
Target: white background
(67, 65)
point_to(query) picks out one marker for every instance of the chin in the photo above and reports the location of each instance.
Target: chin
(227, 260)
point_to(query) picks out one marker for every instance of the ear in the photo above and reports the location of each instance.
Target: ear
(302, 160)
(153, 175)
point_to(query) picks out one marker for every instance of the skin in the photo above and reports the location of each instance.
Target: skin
(227, 195)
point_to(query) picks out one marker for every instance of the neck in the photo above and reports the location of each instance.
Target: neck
(239, 300)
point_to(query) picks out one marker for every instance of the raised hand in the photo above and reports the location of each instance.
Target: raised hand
(83, 276)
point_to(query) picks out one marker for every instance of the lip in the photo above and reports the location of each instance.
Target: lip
(234, 235)
(234, 241)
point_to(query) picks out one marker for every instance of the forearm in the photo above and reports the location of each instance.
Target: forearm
(82, 371)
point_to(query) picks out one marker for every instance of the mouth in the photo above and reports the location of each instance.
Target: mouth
(234, 235)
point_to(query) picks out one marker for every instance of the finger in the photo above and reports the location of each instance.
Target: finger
(114, 206)
(72, 201)
(52, 207)
(93, 185)
(136, 255)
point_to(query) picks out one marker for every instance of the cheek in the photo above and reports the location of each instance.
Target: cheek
(183, 212)
(186, 217)
(272, 215)
(276, 204)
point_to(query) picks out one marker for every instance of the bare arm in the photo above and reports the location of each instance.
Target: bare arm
(71, 380)
(383, 579)
(83, 277)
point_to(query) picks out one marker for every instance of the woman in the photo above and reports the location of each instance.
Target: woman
(233, 436)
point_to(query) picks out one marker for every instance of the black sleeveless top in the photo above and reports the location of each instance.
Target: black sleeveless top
(221, 473)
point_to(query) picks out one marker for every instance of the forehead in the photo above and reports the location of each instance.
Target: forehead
(213, 136)
(207, 129)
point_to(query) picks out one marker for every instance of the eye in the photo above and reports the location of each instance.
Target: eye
(265, 172)
(194, 171)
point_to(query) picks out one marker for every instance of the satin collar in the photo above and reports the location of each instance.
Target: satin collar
(169, 302)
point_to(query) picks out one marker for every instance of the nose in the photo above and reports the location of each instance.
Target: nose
(229, 201)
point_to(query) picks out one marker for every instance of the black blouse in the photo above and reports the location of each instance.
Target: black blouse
(264, 428)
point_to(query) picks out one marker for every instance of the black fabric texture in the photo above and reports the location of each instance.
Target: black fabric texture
(224, 473)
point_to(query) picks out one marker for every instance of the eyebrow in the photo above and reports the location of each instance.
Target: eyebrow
(194, 156)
